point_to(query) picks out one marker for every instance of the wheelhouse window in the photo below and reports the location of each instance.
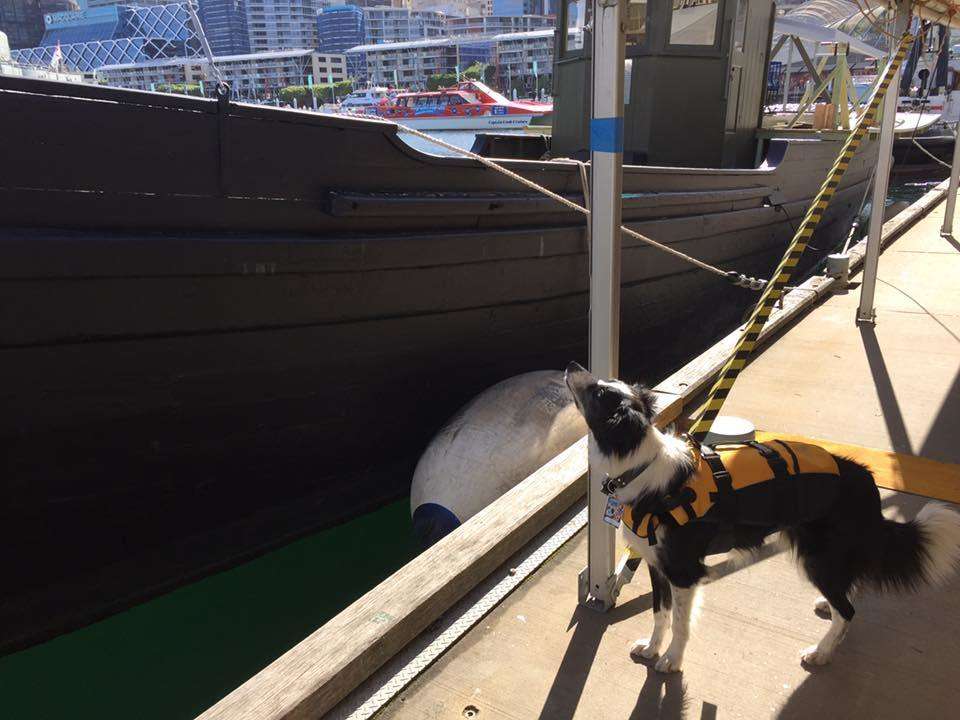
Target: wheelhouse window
(694, 22)
(578, 15)
(636, 23)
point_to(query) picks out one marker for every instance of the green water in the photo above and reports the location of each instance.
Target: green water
(174, 656)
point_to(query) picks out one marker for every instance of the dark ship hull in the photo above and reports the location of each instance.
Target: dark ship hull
(225, 325)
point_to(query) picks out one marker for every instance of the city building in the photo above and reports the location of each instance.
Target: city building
(225, 25)
(521, 60)
(12, 69)
(497, 24)
(254, 75)
(524, 60)
(519, 7)
(113, 34)
(22, 22)
(339, 28)
(282, 24)
(410, 64)
(453, 8)
(140, 3)
(389, 25)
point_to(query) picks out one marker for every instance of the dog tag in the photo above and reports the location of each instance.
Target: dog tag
(613, 512)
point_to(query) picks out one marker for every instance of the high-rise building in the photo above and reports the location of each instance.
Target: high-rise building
(282, 24)
(22, 21)
(225, 25)
(139, 3)
(385, 24)
(340, 28)
(519, 7)
(93, 37)
(497, 24)
(453, 8)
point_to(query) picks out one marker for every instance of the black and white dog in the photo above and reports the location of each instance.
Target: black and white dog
(848, 546)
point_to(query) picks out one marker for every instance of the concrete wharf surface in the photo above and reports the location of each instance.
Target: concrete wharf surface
(894, 387)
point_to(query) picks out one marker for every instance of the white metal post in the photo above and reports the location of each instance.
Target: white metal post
(606, 181)
(865, 313)
(947, 228)
(786, 74)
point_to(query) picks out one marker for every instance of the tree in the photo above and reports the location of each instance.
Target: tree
(435, 82)
(322, 92)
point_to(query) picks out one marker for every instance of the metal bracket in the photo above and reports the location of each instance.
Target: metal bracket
(615, 583)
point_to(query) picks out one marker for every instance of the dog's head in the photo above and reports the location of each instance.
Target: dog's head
(618, 415)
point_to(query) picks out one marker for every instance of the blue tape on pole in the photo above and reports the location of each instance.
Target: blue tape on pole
(606, 134)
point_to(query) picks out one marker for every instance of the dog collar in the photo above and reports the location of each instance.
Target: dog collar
(610, 485)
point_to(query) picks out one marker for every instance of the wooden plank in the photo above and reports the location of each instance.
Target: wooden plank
(893, 470)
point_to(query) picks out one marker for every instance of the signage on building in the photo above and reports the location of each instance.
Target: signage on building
(77, 18)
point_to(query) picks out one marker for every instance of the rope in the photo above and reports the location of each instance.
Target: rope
(222, 85)
(736, 278)
(774, 290)
(933, 157)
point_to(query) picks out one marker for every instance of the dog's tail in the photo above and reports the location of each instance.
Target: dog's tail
(923, 551)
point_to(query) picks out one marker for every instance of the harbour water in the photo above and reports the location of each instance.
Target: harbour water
(174, 656)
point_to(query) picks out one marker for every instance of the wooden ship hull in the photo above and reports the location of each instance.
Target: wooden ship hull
(225, 325)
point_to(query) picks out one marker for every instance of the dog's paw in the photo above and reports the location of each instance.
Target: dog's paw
(644, 649)
(669, 662)
(813, 655)
(821, 607)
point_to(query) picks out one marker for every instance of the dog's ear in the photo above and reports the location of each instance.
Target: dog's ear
(645, 402)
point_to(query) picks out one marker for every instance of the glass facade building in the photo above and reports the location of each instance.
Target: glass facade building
(111, 35)
(225, 24)
(520, 7)
(384, 25)
(340, 28)
(22, 22)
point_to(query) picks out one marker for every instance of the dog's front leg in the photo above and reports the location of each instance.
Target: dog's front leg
(683, 600)
(662, 600)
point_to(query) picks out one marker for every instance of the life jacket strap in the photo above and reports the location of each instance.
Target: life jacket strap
(776, 462)
(724, 499)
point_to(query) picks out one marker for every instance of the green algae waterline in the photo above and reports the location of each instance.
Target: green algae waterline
(176, 655)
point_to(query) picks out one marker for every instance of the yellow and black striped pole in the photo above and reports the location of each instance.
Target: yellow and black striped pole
(775, 288)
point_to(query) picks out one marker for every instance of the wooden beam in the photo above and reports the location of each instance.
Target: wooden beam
(817, 80)
(892, 470)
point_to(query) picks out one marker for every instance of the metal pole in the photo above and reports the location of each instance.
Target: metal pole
(786, 76)
(947, 228)
(606, 181)
(865, 312)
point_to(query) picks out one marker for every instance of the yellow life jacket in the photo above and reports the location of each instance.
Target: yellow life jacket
(772, 483)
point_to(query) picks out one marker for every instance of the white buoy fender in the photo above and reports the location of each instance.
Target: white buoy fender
(491, 444)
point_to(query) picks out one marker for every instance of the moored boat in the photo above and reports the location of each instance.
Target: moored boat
(247, 331)
(468, 105)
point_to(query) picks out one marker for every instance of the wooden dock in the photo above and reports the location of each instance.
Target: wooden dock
(895, 388)
(496, 601)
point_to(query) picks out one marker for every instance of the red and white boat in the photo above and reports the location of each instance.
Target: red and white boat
(468, 105)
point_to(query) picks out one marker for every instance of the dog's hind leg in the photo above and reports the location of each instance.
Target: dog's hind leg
(662, 600)
(683, 602)
(836, 585)
(841, 613)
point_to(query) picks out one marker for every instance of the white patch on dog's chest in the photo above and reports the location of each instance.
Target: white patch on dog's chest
(640, 546)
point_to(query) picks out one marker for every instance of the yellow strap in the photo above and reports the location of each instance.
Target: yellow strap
(775, 289)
